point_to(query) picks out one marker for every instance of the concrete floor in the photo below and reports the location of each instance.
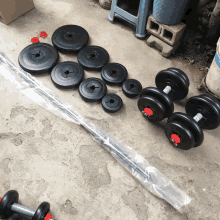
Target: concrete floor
(49, 159)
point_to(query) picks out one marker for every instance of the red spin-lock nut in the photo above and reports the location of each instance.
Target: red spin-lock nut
(35, 40)
(43, 34)
(48, 217)
(175, 138)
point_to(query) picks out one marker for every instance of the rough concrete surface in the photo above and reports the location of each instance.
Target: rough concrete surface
(49, 159)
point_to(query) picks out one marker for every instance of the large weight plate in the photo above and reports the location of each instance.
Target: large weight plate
(70, 39)
(38, 58)
(93, 58)
(114, 73)
(92, 90)
(67, 75)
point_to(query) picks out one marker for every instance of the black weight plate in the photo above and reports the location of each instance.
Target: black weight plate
(186, 137)
(114, 73)
(5, 205)
(174, 79)
(206, 105)
(38, 58)
(153, 104)
(42, 211)
(162, 97)
(93, 58)
(67, 75)
(190, 124)
(15, 217)
(131, 88)
(70, 39)
(112, 103)
(92, 90)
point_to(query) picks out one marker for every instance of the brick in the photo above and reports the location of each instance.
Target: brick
(170, 34)
(164, 49)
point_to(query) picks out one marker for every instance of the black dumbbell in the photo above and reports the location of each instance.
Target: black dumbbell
(185, 130)
(157, 103)
(15, 217)
(9, 205)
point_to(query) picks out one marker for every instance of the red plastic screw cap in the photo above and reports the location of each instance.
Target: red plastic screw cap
(35, 40)
(48, 217)
(175, 138)
(43, 34)
(148, 111)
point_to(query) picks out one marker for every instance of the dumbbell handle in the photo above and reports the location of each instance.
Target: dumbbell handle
(28, 212)
(198, 117)
(167, 89)
(23, 210)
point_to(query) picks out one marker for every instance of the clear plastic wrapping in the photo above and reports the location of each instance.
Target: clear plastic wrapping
(151, 178)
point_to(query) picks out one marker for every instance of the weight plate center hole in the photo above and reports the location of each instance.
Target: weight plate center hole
(132, 86)
(112, 101)
(67, 72)
(114, 72)
(37, 55)
(92, 87)
(93, 55)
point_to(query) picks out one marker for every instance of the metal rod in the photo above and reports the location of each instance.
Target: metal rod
(167, 89)
(23, 210)
(198, 117)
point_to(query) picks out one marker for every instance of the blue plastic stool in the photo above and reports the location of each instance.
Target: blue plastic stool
(140, 21)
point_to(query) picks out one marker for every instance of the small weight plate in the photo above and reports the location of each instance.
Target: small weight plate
(92, 90)
(93, 58)
(42, 211)
(67, 75)
(15, 217)
(188, 122)
(70, 39)
(154, 105)
(162, 97)
(186, 137)
(38, 58)
(112, 103)
(176, 80)
(208, 106)
(5, 205)
(131, 88)
(114, 73)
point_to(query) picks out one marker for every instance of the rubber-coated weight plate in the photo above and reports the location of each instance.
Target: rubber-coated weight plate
(70, 38)
(131, 88)
(42, 211)
(154, 105)
(93, 58)
(15, 217)
(38, 58)
(92, 90)
(114, 74)
(175, 80)
(208, 106)
(188, 122)
(112, 103)
(67, 75)
(162, 97)
(5, 205)
(186, 137)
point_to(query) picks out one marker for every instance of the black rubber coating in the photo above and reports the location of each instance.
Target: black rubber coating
(114, 73)
(208, 106)
(92, 90)
(176, 79)
(155, 105)
(38, 58)
(112, 103)
(188, 122)
(67, 75)
(8, 199)
(131, 88)
(162, 97)
(70, 39)
(42, 211)
(15, 217)
(93, 58)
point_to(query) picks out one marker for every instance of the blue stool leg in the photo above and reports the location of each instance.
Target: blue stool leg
(143, 13)
(112, 13)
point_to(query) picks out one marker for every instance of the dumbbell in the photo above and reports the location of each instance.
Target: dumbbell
(15, 217)
(185, 130)
(157, 103)
(9, 205)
